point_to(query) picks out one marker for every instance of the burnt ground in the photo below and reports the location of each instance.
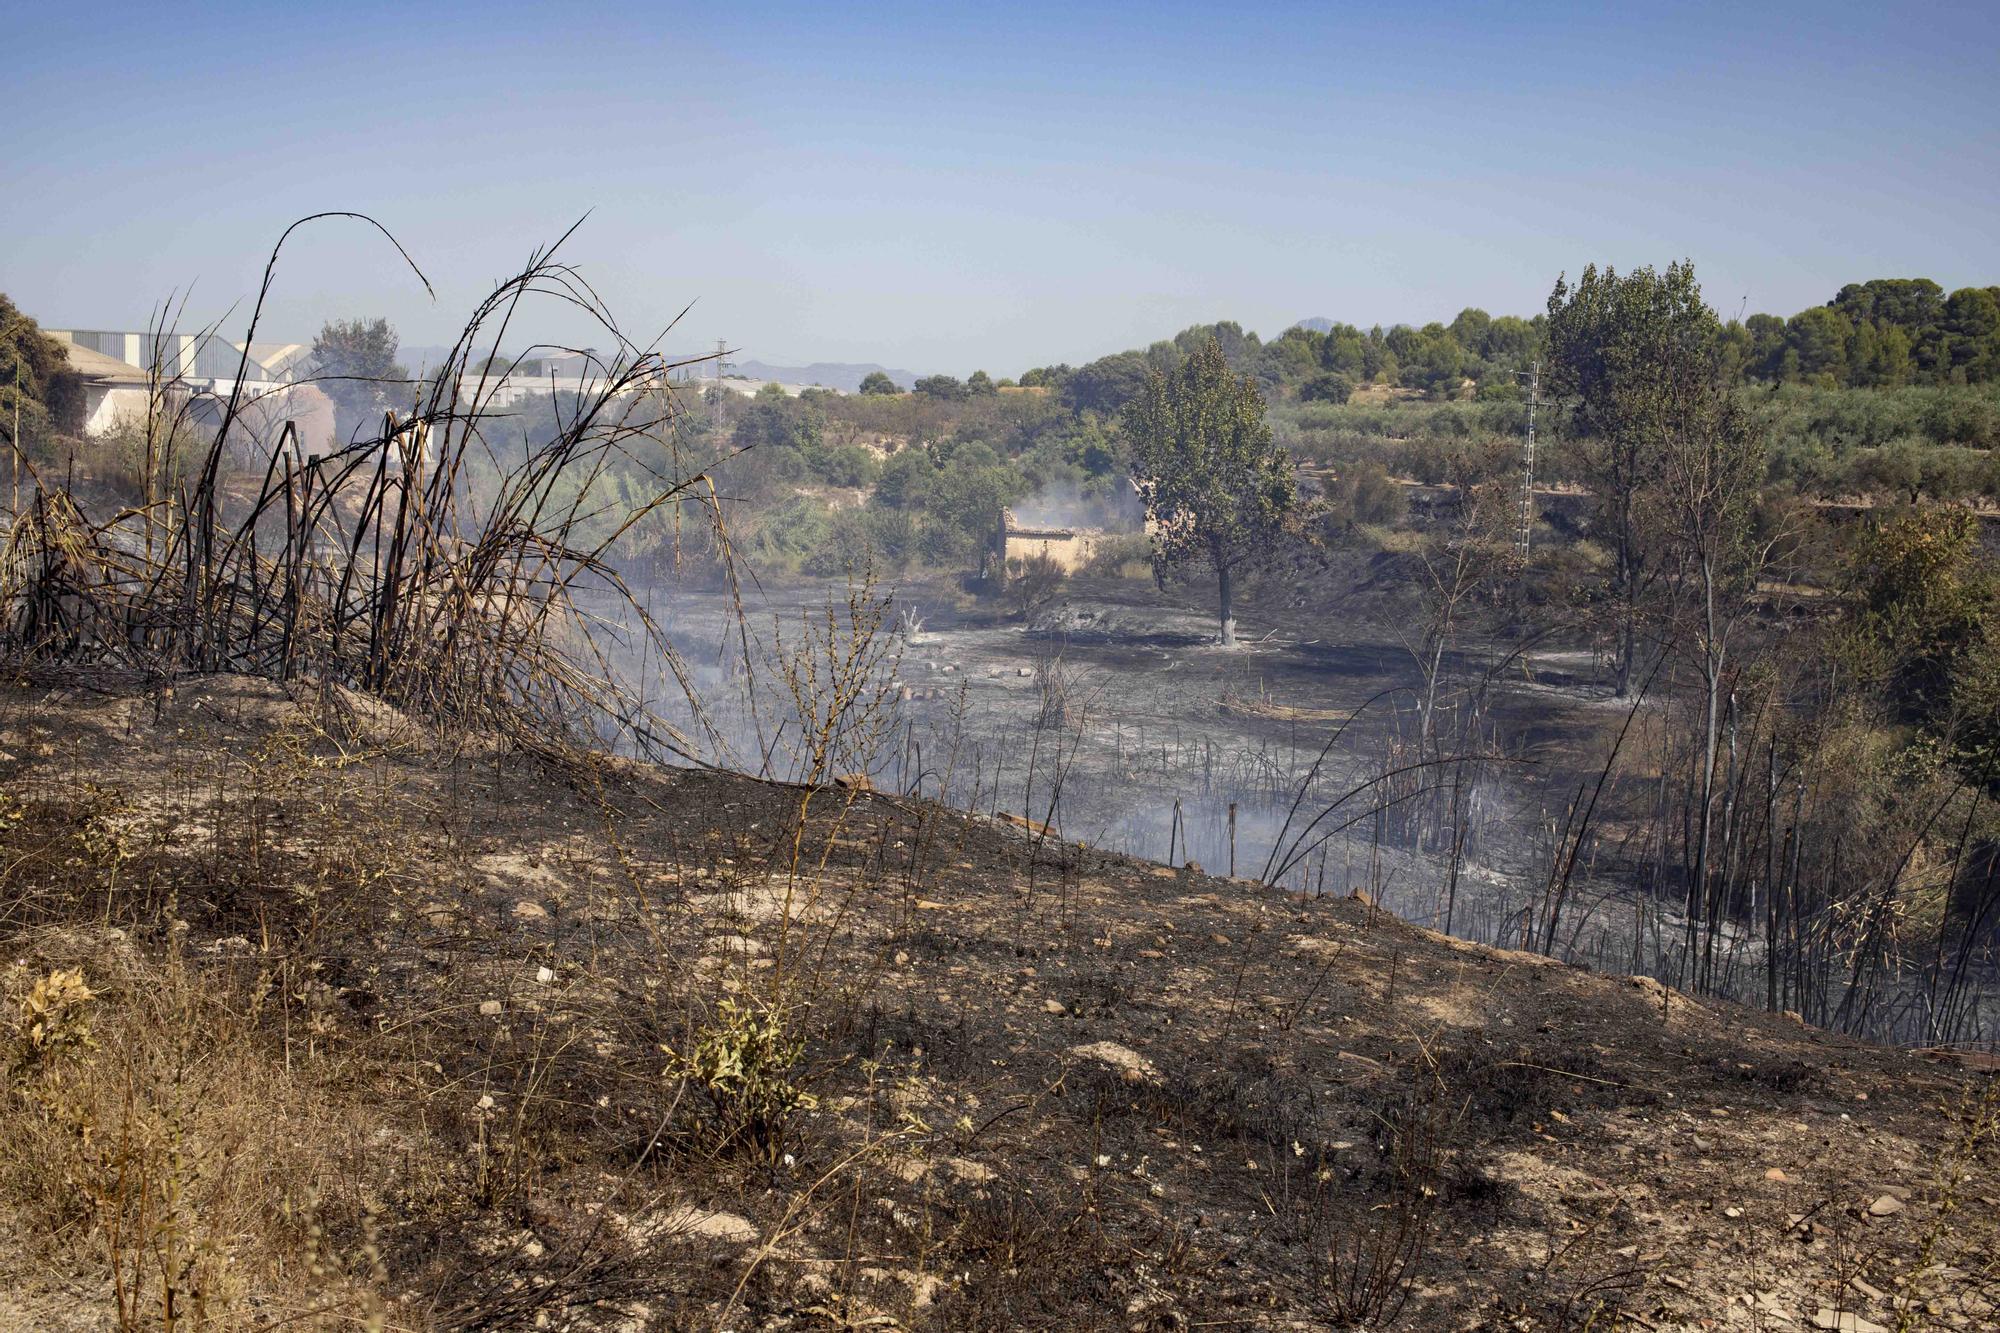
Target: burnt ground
(1043, 1087)
(1151, 711)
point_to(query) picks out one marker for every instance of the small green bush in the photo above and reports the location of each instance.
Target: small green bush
(743, 1062)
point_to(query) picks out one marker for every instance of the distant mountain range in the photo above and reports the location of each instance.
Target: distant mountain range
(1318, 324)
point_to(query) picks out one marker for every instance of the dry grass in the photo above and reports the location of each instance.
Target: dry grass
(416, 565)
(147, 1132)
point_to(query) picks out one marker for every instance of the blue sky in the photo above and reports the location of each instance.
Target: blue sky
(946, 187)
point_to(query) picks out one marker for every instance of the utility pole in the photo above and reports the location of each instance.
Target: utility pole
(1528, 463)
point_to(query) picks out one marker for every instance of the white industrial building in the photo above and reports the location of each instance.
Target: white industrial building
(116, 368)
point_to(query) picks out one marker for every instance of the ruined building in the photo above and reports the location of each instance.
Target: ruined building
(1069, 549)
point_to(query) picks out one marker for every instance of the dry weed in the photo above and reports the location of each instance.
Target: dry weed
(142, 1126)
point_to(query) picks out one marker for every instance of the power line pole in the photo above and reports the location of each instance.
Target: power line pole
(721, 348)
(1528, 463)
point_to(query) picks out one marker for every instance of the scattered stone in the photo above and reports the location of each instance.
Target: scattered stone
(855, 782)
(545, 975)
(526, 910)
(1776, 1174)
(639, 1318)
(684, 1221)
(1885, 1205)
(969, 1171)
(1053, 1007)
(1131, 1066)
(1845, 1321)
(924, 1288)
(491, 1008)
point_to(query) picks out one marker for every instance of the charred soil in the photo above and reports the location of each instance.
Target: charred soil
(315, 1017)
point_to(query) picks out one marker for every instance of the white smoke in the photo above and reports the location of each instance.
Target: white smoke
(1113, 508)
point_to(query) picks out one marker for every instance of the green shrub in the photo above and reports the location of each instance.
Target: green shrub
(743, 1062)
(844, 465)
(1365, 493)
(1332, 387)
(1111, 556)
(790, 531)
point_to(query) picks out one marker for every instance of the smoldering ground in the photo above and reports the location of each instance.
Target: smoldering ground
(1108, 719)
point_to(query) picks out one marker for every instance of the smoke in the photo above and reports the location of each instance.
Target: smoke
(1107, 504)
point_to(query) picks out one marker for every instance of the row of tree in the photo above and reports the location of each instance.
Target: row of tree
(1884, 333)
(1880, 334)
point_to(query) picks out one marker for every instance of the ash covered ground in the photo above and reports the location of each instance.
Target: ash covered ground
(1107, 715)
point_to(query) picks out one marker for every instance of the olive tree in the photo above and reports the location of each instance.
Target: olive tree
(1218, 494)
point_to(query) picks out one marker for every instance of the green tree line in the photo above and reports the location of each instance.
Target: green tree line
(1886, 333)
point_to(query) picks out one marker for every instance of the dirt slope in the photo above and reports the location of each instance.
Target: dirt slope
(1029, 1086)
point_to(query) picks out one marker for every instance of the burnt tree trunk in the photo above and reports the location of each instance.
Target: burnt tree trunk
(1225, 604)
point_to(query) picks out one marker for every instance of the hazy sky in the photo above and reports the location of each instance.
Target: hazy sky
(943, 187)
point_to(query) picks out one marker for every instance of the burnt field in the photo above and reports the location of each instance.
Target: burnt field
(1107, 716)
(1111, 717)
(446, 1006)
